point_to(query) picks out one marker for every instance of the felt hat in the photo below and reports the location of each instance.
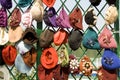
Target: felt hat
(3, 17)
(86, 66)
(49, 3)
(1, 58)
(90, 17)
(4, 73)
(50, 17)
(9, 54)
(37, 10)
(60, 37)
(29, 36)
(46, 38)
(30, 57)
(24, 3)
(63, 56)
(3, 36)
(26, 19)
(111, 14)
(106, 39)
(7, 4)
(110, 2)
(15, 18)
(90, 39)
(104, 74)
(110, 60)
(49, 58)
(75, 18)
(63, 19)
(22, 47)
(95, 2)
(15, 33)
(74, 39)
(20, 65)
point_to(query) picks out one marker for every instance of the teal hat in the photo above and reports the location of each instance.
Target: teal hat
(90, 39)
(24, 3)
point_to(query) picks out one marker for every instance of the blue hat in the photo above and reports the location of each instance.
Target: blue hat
(24, 3)
(110, 60)
(90, 39)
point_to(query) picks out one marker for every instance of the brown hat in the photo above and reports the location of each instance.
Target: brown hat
(46, 38)
(76, 18)
(30, 57)
(29, 36)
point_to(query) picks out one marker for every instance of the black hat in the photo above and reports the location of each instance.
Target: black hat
(95, 2)
(111, 1)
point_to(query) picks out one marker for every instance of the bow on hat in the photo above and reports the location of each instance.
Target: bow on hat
(106, 39)
(90, 39)
(63, 19)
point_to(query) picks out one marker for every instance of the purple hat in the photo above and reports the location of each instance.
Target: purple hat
(63, 19)
(7, 4)
(50, 17)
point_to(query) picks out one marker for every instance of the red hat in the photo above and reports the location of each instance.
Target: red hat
(9, 54)
(49, 58)
(49, 3)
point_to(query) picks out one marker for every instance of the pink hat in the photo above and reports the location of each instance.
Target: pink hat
(106, 39)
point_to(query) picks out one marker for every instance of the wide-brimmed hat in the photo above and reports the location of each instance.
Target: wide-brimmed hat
(3, 36)
(49, 58)
(46, 38)
(15, 34)
(63, 19)
(104, 74)
(7, 4)
(110, 2)
(49, 3)
(15, 18)
(1, 58)
(24, 3)
(29, 36)
(50, 17)
(60, 37)
(74, 39)
(20, 65)
(90, 39)
(9, 54)
(75, 18)
(3, 17)
(106, 39)
(110, 60)
(95, 2)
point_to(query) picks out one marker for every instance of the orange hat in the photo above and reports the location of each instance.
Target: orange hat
(60, 37)
(49, 58)
(49, 3)
(9, 54)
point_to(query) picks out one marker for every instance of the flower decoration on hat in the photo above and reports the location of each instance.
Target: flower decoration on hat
(108, 60)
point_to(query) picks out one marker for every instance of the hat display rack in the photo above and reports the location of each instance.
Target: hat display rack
(44, 40)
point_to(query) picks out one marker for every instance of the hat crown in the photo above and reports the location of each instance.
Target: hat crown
(7, 4)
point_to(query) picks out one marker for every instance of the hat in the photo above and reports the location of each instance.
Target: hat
(1, 58)
(110, 60)
(15, 34)
(90, 39)
(3, 17)
(63, 19)
(15, 18)
(104, 74)
(74, 39)
(22, 47)
(49, 3)
(110, 2)
(111, 14)
(29, 36)
(90, 17)
(46, 38)
(7, 4)
(3, 36)
(50, 17)
(20, 65)
(26, 19)
(60, 37)
(9, 54)
(4, 73)
(106, 39)
(86, 66)
(95, 2)
(49, 58)
(37, 10)
(63, 56)
(30, 57)
(75, 18)
(24, 3)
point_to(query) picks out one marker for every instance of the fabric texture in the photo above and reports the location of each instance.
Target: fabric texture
(49, 3)
(110, 2)
(24, 3)
(7, 4)
(1, 58)
(95, 2)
